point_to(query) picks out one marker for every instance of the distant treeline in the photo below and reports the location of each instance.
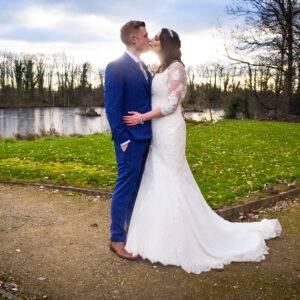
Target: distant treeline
(40, 80)
(242, 87)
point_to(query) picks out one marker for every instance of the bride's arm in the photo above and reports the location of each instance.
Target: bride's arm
(137, 118)
(177, 83)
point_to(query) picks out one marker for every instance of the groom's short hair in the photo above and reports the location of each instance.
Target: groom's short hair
(130, 28)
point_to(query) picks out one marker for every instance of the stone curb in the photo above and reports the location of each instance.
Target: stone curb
(8, 295)
(226, 212)
(64, 187)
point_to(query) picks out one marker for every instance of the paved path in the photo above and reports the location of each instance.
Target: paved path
(56, 244)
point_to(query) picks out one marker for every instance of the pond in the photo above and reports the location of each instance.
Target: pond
(67, 120)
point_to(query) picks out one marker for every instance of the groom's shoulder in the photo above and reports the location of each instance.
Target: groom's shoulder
(119, 62)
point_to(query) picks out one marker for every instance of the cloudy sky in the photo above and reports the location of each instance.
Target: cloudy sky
(88, 30)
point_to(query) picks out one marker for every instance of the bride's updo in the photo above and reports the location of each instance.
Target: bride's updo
(170, 48)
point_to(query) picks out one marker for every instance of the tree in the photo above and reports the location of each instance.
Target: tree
(29, 76)
(19, 72)
(40, 68)
(271, 34)
(49, 76)
(3, 71)
(86, 68)
(6, 70)
(191, 88)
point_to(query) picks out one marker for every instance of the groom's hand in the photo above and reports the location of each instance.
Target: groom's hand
(124, 147)
(132, 120)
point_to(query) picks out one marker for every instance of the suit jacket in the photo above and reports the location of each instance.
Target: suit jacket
(126, 89)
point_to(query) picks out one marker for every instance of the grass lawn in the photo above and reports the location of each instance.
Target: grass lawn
(228, 158)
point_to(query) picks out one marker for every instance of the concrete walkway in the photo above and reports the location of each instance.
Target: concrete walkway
(54, 245)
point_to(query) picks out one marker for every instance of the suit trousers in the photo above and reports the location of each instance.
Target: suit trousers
(131, 165)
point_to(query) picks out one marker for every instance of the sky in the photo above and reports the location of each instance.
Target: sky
(89, 30)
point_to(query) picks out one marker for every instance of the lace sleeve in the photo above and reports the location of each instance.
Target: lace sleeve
(177, 83)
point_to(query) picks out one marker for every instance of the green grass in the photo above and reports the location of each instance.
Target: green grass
(231, 158)
(228, 159)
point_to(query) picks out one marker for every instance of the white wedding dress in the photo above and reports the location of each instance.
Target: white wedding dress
(171, 221)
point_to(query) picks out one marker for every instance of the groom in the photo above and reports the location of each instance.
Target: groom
(128, 88)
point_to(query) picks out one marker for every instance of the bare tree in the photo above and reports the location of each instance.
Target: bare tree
(29, 75)
(6, 70)
(40, 68)
(270, 33)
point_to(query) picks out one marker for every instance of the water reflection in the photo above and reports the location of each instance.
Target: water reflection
(67, 120)
(216, 114)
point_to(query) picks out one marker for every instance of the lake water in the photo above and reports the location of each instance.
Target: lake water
(217, 114)
(67, 120)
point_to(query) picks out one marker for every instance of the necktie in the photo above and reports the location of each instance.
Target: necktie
(143, 70)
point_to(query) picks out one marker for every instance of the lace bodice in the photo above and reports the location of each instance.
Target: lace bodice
(176, 84)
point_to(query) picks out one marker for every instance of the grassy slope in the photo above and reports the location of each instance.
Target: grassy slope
(228, 158)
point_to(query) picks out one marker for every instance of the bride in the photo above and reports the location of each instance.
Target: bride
(171, 221)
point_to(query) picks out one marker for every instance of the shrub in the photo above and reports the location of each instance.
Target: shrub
(237, 104)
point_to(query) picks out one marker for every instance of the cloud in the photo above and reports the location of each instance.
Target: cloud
(188, 15)
(91, 28)
(34, 23)
(35, 35)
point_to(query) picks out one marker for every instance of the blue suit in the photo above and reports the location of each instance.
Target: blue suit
(126, 89)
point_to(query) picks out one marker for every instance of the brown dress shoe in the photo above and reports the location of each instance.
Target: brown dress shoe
(119, 249)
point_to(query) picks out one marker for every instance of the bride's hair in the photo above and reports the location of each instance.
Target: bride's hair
(170, 48)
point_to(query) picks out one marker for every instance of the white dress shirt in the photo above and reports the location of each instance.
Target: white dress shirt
(135, 58)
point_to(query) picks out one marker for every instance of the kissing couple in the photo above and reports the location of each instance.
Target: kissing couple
(158, 211)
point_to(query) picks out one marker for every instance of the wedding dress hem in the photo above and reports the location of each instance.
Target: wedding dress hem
(256, 255)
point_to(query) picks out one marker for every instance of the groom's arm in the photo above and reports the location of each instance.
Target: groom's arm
(114, 92)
